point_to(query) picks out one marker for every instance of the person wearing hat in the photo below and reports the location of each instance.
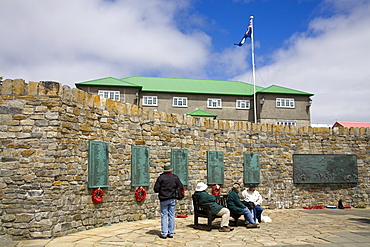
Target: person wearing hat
(250, 194)
(237, 207)
(166, 185)
(204, 198)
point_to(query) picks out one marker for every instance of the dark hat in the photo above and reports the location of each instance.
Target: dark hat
(167, 168)
(252, 186)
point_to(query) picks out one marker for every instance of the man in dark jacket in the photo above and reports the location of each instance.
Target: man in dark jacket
(203, 198)
(237, 207)
(166, 185)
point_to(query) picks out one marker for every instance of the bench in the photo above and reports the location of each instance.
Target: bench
(204, 211)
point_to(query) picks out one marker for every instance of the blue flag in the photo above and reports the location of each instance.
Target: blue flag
(247, 34)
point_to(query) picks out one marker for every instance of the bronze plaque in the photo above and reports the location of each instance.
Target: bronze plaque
(325, 168)
(140, 166)
(179, 163)
(215, 167)
(98, 165)
(251, 168)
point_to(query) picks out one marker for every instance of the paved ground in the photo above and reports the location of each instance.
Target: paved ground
(289, 227)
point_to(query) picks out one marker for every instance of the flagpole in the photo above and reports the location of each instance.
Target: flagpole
(253, 72)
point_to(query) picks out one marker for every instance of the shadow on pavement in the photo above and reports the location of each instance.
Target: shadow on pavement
(361, 220)
(153, 232)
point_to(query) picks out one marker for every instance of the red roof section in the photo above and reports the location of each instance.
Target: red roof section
(351, 124)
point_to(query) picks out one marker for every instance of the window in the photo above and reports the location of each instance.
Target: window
(180, 101)
(286, 123)
(214, 103)
(287, 103)
(109, 94)
(242, 104)
(150, 100)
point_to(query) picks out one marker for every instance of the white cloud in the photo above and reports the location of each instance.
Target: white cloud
(72, 40)
(330, 60)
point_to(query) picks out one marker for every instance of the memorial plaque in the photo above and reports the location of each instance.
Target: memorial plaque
(140, 166)
(98, 165)
(325, 168)
(251, 168)
(215, 167)
(179, 163)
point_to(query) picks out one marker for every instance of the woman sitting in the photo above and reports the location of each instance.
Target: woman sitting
(237, 207)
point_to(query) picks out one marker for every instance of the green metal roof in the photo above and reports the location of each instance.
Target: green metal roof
(282, 90)
(195, 86)
(107, 81)
(201, 113)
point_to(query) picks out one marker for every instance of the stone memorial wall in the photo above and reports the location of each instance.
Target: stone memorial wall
(45, 129)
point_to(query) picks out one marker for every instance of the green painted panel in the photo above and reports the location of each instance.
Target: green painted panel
(140, 166)
(325, 168)
(98, 165)
(215, 167)
(179, 163)
(251, 168)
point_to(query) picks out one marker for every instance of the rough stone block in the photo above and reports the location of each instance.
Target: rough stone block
(32, 88)
(7, 87)
(23, 218)
(18, 86)
(49, 88)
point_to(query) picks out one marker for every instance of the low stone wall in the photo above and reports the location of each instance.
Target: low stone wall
(44, 132)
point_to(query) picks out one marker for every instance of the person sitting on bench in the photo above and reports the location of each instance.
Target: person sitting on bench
(250, 194)
(237, 207)
(203, 198)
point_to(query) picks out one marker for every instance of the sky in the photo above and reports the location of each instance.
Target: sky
(316, 46)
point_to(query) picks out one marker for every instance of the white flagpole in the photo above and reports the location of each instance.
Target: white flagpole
(253, 73)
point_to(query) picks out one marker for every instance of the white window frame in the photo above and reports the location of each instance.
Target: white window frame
(115, 95)
(180, 101)
(285, 102)
(150, 100)
(214, 103)
(243, 104)
(289, 123)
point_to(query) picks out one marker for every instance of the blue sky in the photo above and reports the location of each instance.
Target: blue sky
(316, 46)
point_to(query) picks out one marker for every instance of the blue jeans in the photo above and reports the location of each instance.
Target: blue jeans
(257, 212)
(168, 217)
(248, 216)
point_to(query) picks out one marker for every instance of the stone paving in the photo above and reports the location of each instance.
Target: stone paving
(289, 227)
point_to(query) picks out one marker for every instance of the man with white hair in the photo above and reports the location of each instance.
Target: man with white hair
(204, 198)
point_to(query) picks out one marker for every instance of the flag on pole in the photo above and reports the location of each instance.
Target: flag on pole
(247, 34)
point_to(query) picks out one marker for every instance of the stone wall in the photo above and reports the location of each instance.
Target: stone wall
(44, 132)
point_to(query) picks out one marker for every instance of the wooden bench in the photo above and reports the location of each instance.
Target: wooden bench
(204, 211)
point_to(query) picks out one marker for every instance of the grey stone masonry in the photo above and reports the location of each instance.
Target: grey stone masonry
(44, 132)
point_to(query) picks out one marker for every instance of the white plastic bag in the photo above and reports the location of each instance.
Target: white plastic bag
(266, 219)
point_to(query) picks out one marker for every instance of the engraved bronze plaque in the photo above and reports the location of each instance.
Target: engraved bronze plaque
(325, 168)
(179, 163)
(251, 168)
(98, 165)
(140, 166)
(215, 167)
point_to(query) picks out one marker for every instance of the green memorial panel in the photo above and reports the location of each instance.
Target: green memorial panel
(215, 167)
(325, 168)
(251, 168)
(98, 165)
(179, 163)
(140, 166)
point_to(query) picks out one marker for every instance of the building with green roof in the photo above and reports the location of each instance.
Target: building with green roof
(227, 100)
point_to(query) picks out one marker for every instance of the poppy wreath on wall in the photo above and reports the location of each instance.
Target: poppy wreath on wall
(216, 190)
(97, 196)
(140, 194)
